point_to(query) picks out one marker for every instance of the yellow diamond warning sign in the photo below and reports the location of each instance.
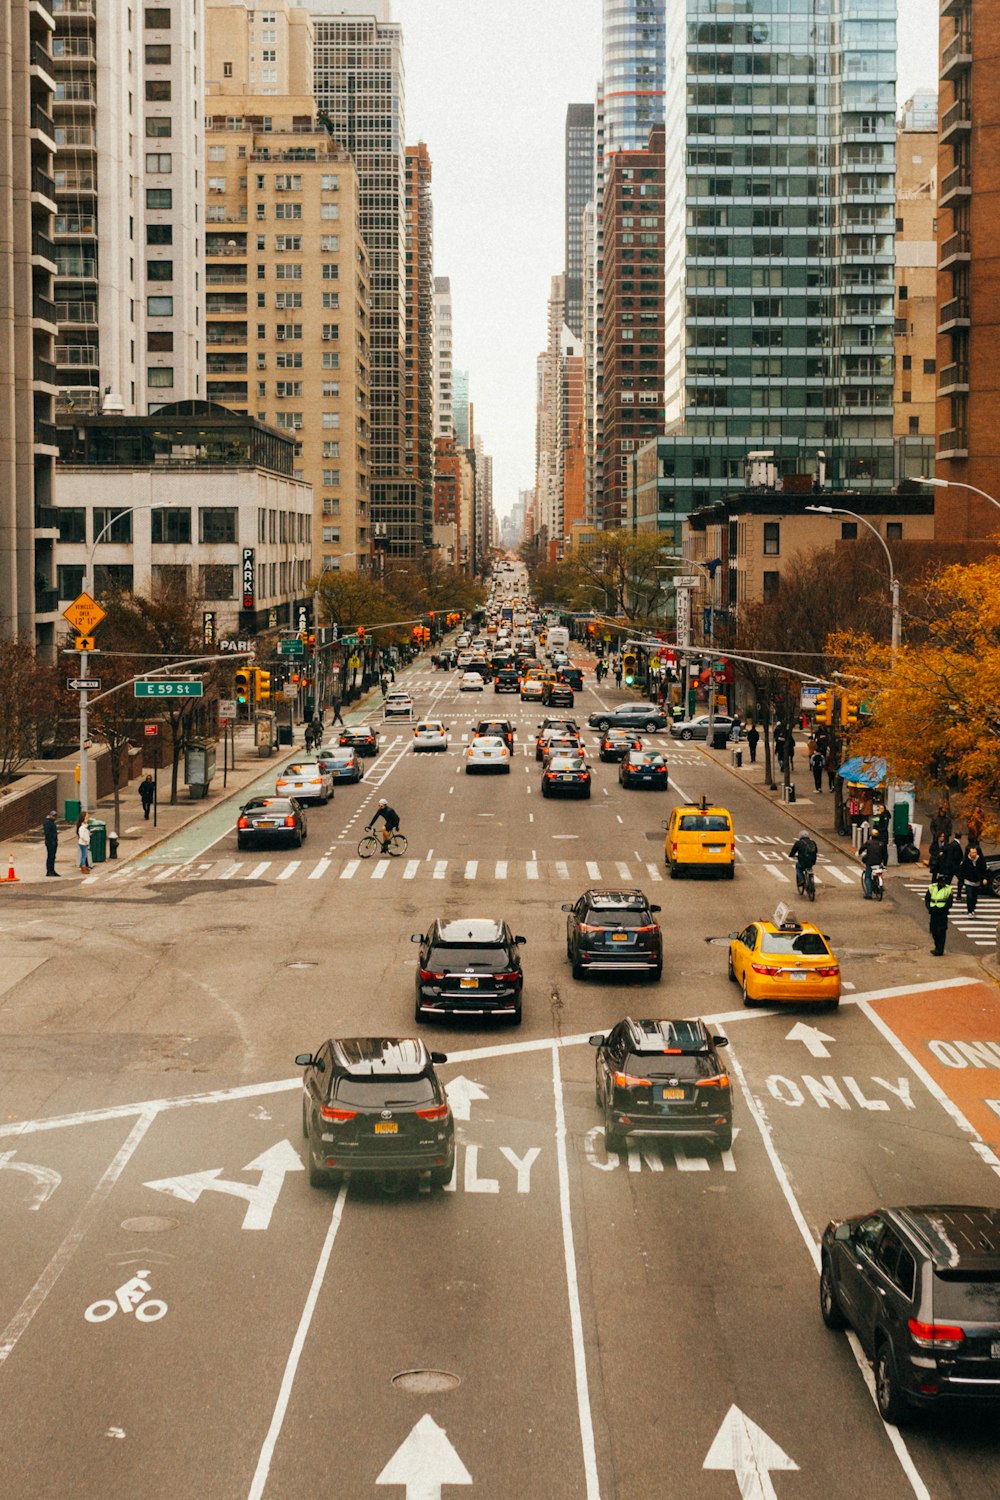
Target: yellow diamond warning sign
(85, 614)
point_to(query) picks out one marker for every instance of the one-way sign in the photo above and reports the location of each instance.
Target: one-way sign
(84, 684)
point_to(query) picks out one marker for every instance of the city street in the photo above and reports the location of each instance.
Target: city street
(569, 1323)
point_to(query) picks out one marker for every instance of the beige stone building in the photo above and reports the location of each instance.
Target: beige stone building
(915, 391)
(287, 285)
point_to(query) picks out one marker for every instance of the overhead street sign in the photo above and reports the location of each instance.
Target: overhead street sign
(168, 689)
(292, 647)
(84, 684)
(84, 614)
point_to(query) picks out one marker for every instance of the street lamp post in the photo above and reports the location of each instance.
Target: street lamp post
(837, 510)
(955, 484)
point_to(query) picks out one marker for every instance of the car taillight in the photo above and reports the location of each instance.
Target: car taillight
(650, 928)
(935, 1335)
(720, 1081)
(660, 770)
(626, 1081)
(290, 820)
(436, 1112)
(829, 972)
(771, 970)
(338, 1116)
(243, 823)
(589, 927)
(510, 978)
(673, 848)
(429, 976)
(315, 781)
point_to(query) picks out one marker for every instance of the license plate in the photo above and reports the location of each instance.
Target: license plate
(671, 1093)
(384, 1127)
(714, 848)
(469, 984)
(797, 974)
(619, 937)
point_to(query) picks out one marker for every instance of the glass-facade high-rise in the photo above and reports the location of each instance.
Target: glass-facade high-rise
(779, 257)
(633, 71)
(579, 189)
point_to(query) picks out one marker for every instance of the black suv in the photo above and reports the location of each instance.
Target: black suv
(920, 1286)
(469, 967)
(663, 1078)
(613, 930)
(507, 680)
(375, 1104)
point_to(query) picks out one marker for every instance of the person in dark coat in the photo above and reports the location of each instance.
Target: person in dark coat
(50, 833)
(779, 745)
(753, 740)
(147, 794)
(938, 899)
(974, 875)
(952, 860)
(338, 717)
(941, 822)
(935, 858)
(873, 853)
(816, 766)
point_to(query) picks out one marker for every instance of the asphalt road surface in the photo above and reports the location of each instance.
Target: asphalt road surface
(182, 1315)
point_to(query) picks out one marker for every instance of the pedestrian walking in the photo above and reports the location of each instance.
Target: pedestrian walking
(779, 745)
(830, 762)
(935, 857)
(618, 674)
(975, 875)
(753, 740)
(83, 840)
(941, 822)
(338, 717)
(383, 683)
(147, 794)
(822, 740)
(938, 899)
(817, 765)
(790, 750)
(50, 833)
(952, 859)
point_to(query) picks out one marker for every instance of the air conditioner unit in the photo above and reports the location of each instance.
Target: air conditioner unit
(326, 338)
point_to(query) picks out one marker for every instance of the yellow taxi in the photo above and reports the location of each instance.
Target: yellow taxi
(700, 837)
(784, 960)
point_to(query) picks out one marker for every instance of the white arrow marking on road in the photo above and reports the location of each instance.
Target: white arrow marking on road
(425, 1461)
(47, 1178)
(746, 1449)
(812, 1037)
(261, 1197)
(461, 1094)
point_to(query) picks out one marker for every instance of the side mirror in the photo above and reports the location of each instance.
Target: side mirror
(666, 829)
(568, 906)
(842, 1233)
(656, 908)
(734, 934)
(721, 1041)
(304, 1060)
(597, 1040)
(439, 1057)
(416, 937)
(519, 939)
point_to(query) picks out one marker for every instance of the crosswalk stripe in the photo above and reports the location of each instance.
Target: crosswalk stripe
(347, 873)
(654, 873)
(837, 874)
(778, 874)
(562, 869)
(471, 867)
(531, 869)
(321, 868)
(230, 871)
(412, 866)
(258, 870)
(623, 870)
(381, 869)
(593, 870)
(501, 870)
(289, 870)
(165, 873)
(440, 868)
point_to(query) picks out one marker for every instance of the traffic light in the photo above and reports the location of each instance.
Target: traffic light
(824, 707)
(848, 711)
(262, 686)
(311, 643)
(243, 686)
(628, 667)
(361, 635)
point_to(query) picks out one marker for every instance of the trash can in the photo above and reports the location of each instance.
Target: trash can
(112, 844)
(72, 810)
(737, 758)
(285, 734)
(98, 841)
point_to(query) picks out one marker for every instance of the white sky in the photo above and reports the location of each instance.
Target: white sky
(487, 85)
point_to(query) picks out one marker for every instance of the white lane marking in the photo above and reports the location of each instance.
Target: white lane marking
(440, 869)
(778, 874)
(321, 868)
(441, 818)
(531, 869)
(471, 867)
(165, 874)
(572, 1287)
(381, 869)
(593, 870)
(562, 869)
(412, 866)
(289, 870)
(501, 870)
(623, 870)
(74, 1236)
(654, 873)
(347, 873)
(838, 874)
(263, 1469)
(228, 872)
(258, 870)
(619, 817)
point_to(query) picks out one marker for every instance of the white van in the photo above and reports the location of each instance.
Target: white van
(557, 640)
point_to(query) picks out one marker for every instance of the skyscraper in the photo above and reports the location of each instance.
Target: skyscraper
(360, 88)
(460, 408)
(633, 71)
(418, 430)
(444, 422)
(579, 187)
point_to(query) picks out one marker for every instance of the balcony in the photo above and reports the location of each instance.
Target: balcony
(78, 8)
(954, 380)
(955, 250)
(956, 7)
(957, 184)
(76, 267)
(957, 56)
(77, 356)
(41, 57)
(226, 250)
(955, 121)
(222, 307)
(46, 600)
(226, 364)
(46, 518)
(77, 92)
(42, 246)
(213, 340)
(42, 120)
(76, 138)
(219, 215)
(75, 225)
(44, 371)
(954, 314)
(225, 278)
(75, 183)
(46, 435)
(44, 309)
(81, 314)
(953, 444)
(42, 183)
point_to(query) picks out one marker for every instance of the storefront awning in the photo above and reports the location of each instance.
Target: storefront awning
(864, 770)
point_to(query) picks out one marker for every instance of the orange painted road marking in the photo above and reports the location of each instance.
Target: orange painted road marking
(954, 1034)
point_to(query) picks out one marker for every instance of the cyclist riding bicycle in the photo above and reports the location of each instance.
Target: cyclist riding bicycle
(804, 853)
(390, 821)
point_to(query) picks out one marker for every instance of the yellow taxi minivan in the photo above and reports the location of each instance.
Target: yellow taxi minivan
(700, 837)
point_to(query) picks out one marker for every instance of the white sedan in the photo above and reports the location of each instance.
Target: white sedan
(306, 781)
(487, 753)
(430, 734)
(397, 705)
(470, 682)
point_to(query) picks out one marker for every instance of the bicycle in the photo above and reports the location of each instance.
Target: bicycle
(805, 883)
(371, 844)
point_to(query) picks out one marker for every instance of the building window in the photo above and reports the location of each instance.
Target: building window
(285, 331)
(216, 580)
(160, 343)
(331, 270)
(69, 580)
(331, 332)
(286, 359)
(169, 526)
(160, 307)
(283, 300)
(329, 183)
(288, 210)
(227, 70)
(159, 126)
(157, 19)
(329, 242)
(288, 182)
(72, 525)
(902, 293)
(159, 234)
(331, 419)
(290, 270)
(159, 270)
(286, 388)
(160, 376)
(159, 161)
(907, 361)
(930, 366)
(772, 538)
(117, 521)
(216, 184)
(158, 90)
(331, 478)
(771, 586)
(158, 54)
(914, 424)
(330, 450)
(289, 419)
(172, 579)
(331, 359)
(894, 531)
(331, 301)
(331, 388)
(159, 197)
(113, 576)
(283, 243)
(217, 523)
(329, 211)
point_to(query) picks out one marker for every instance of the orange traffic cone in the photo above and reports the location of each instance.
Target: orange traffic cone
(10, 876)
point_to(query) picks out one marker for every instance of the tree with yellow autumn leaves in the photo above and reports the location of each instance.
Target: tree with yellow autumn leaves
(935, 706)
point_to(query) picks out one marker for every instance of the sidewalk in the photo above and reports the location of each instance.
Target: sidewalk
(139, 836)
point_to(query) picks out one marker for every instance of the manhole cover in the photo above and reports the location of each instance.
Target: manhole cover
(149, 1224)
(425, 1382)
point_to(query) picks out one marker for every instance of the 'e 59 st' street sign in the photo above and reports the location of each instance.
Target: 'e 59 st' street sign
(168, 689)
